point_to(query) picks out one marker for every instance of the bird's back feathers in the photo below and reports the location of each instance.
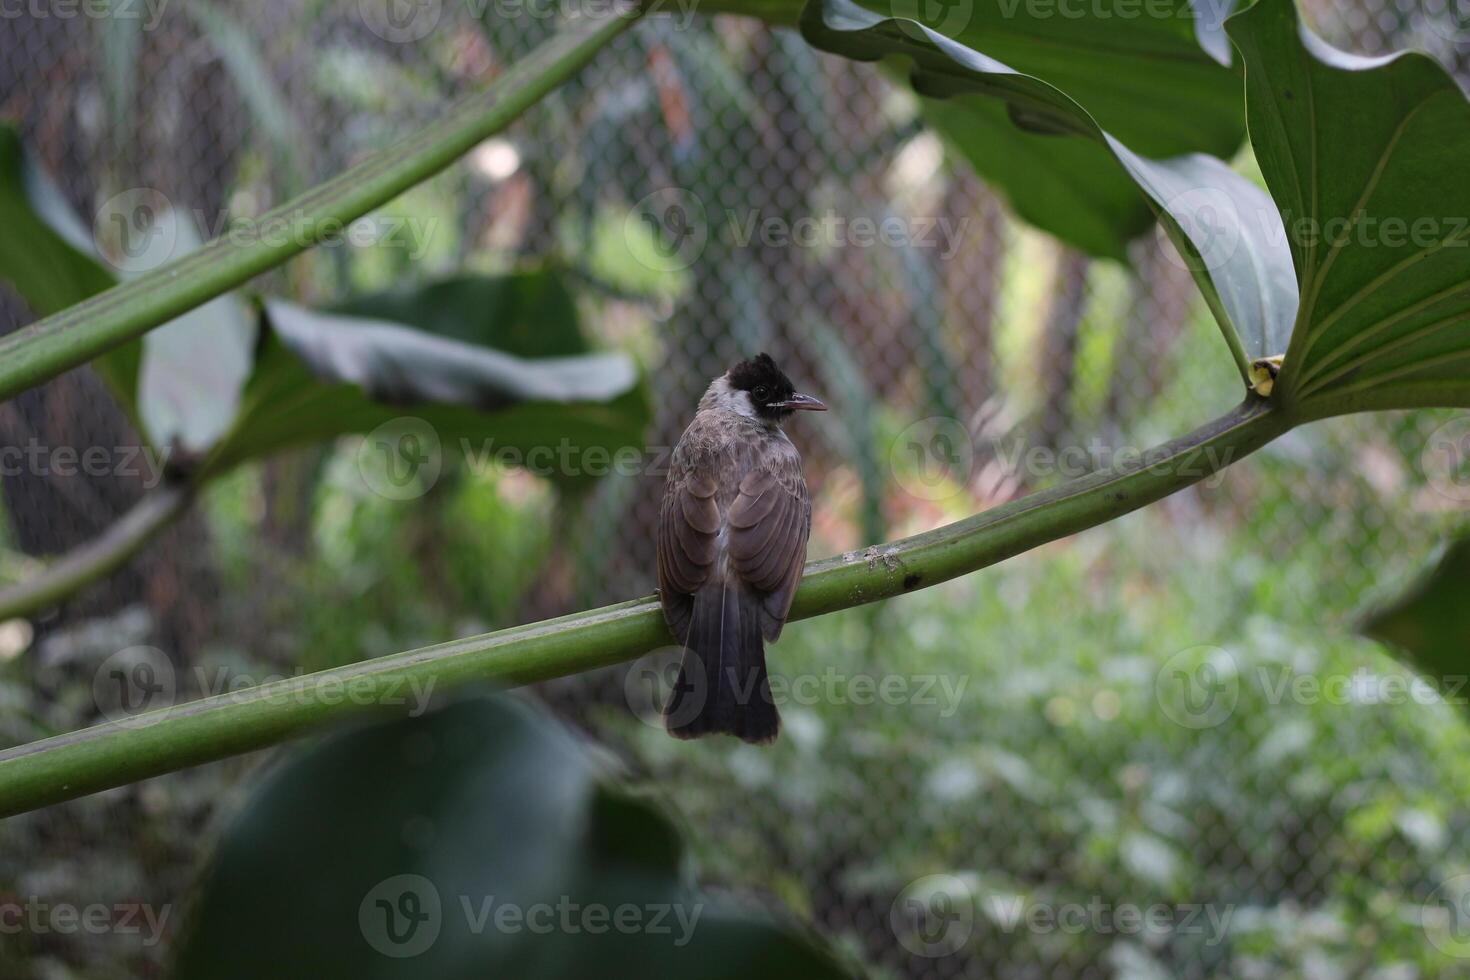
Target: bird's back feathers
(731, 547)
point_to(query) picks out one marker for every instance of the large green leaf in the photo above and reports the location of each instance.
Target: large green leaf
(529, 314)
(499, 361)
(1153, 75)
(192, 369)
(1368, 160)
(181, 383)
(1224, 225)
(1429, 625)
(50, 257)
(1142, 75)
(477, 841)
(45, 253)
(494, 363)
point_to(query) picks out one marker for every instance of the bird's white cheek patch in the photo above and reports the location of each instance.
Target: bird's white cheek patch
(741, 402)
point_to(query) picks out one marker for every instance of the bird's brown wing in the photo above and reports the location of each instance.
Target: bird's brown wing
(770, 520)
(689, 526)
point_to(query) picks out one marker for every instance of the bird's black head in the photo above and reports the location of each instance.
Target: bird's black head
(772, 394)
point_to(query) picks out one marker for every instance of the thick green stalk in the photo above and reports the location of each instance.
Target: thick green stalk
(79, 333)
(117, 753)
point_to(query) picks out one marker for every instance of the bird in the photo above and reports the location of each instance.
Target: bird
(731, 543)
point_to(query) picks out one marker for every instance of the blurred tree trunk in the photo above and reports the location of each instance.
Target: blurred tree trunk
(51, 513)
(55, 506)
(1163, 294)
(972, 279)
(288, 484)
(1059, 346)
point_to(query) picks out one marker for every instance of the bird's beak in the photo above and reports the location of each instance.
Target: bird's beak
(803, 403)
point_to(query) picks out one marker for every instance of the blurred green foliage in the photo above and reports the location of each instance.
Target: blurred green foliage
(1316, 815)
(1051, 767)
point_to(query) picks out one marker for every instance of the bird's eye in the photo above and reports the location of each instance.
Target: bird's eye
(761, 392)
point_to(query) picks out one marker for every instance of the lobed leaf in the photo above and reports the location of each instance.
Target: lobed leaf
(498, 363)
(1368, 161)
(1430, 623)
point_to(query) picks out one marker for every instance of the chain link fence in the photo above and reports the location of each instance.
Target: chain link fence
(1153, 750)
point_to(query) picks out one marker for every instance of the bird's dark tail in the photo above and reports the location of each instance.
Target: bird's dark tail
(722, 684)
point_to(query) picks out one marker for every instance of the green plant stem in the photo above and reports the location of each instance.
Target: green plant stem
(97, 558)
(79, 333)
(116, 753)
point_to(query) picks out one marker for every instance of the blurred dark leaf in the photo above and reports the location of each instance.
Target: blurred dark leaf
(45, 253)
(181, 382)
(50, 259)
(529, 314)
(398, 364)
(1368, 160)
(1429, 625)
(478, 358)
(476, 841)
(494, 363)
(48, 255)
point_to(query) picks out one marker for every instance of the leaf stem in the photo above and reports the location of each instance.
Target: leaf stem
(79, 333)
(99, 557)
(120, 752)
